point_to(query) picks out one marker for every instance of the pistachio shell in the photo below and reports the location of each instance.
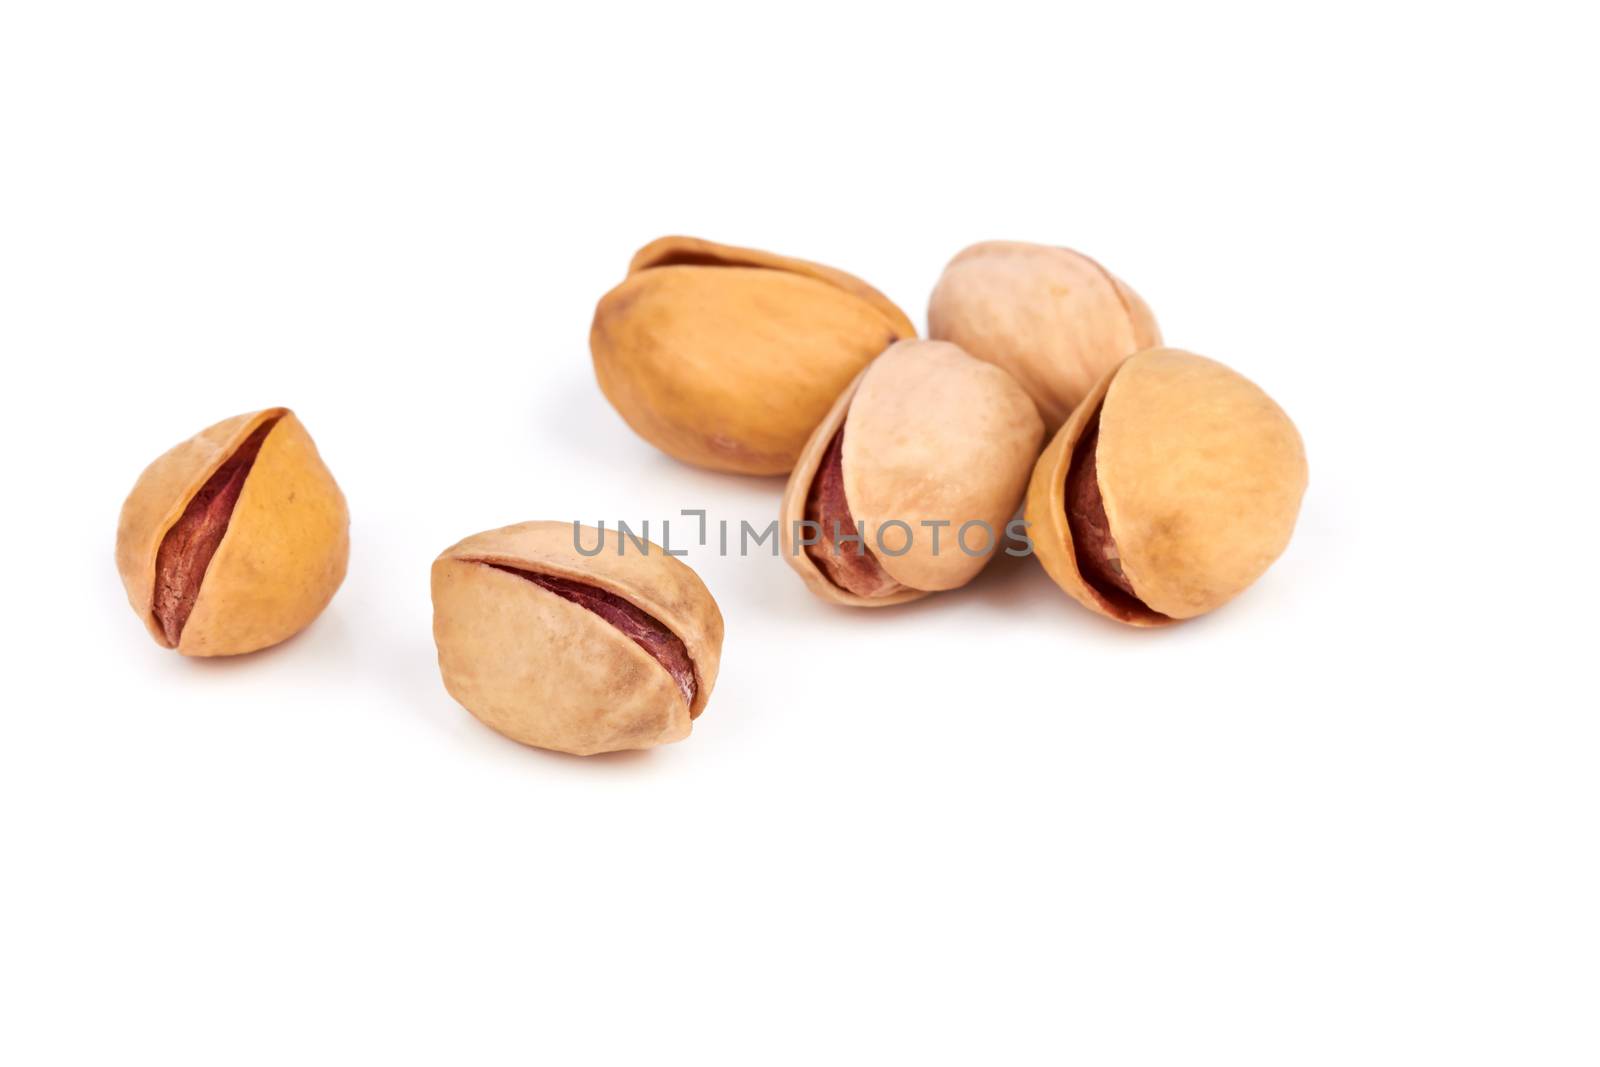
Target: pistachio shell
(1200, 475)
(547, 671)
(726, 357)
(1055, 319)
(281, 557)
(930, 435)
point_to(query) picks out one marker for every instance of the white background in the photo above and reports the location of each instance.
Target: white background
(1351, 818)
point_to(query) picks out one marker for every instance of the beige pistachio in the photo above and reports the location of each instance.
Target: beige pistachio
(1054, 318)
(727, 357)
(575, 639)
(1172, 488)
(925, 457)
(235, 539)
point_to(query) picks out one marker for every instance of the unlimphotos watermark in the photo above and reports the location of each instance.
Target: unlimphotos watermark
(891, 537)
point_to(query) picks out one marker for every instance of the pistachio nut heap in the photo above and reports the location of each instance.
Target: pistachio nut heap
(1172, 488)
(580, 653)
(1055, 319)
(925, 456)
(727, 357)
(235, 539)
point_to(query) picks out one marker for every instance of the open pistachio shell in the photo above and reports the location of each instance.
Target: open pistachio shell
(1054, 318)
(927, 443)
(727, 357)
(235, 539)
(580, 653)
(1196, 482)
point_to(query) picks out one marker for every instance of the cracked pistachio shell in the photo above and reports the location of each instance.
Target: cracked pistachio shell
(930, 434)
(281, 557)
(727, 357)
(1201, 476)
(547, 671)
(1054, 318)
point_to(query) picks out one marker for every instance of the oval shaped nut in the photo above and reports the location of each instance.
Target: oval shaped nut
(235, 539)
(1172, 488)
(927, 455)
(1054, 318)
(578, 653)
(727, 357)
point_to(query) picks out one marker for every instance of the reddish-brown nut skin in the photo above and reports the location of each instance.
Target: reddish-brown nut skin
(1199, 476)
(1086, 515)
(573, 652)
(235, 539)
(848, 565)
(188, 547)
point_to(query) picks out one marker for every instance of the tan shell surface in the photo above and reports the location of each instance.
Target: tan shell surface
(1055, 319)
(547, 672)
(793, 509)
(726, 358)
(1202, 476)
(934, 435)
(285, 550)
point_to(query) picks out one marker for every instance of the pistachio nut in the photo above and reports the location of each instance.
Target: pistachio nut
(560, 649)
(1055, 319)
(924, 457)
(726, 357)
(1172, 488)
(235, 539)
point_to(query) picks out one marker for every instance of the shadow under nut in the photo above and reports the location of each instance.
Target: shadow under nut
(187, 548)
(644, 629)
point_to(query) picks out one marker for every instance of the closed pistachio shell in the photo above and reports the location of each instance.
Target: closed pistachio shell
(578, 653)
(1054, 318)
(1194, 481)
(925, 442)
(235, 539)
(727, 357)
